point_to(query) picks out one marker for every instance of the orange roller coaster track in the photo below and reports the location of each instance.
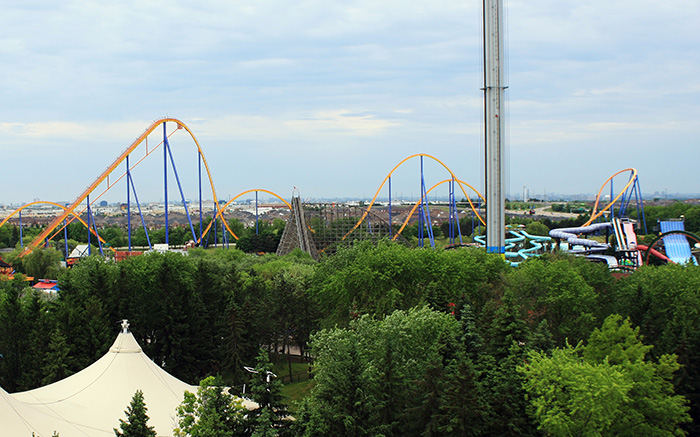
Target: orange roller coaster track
(105, 177)
(594, 212)
(41, 202)
(226, 205)
(459, 182)
(417, 204)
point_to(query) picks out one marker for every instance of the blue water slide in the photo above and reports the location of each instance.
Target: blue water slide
(571, 236)
(676, 245)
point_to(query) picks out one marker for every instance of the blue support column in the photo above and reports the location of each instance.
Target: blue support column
(21, 238)
(224, 235)
(426, 210)
(390, 228)
(182, 193)
(420, 225)
(165, 180)
(65, 236)
(478, 224)
(612, 196)
(256, 213)
(216, 223)
(143, 221)
(640, 204)
(97, 235)
(89, 215)
(128, 201)
(201, 225)
(451, 214)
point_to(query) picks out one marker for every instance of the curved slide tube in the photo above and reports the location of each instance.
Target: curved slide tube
(518, 237)
(570, 235)
(654, 252)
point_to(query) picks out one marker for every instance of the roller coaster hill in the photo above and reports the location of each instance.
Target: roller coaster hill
(316, 228)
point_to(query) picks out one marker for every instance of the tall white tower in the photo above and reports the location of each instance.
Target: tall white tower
(494, 125)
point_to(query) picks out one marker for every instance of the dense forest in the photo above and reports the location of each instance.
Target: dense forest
(401, 341)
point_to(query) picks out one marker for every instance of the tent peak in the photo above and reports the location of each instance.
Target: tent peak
(125, 342)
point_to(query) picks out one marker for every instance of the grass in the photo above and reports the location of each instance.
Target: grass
(300, 385)
(294, 393)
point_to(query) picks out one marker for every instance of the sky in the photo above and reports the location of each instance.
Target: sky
(328, 97)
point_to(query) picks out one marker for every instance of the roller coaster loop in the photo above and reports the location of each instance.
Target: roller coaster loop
(226, 205)
(105, 177)
(388, 177)
(40, 202)
(594, 212)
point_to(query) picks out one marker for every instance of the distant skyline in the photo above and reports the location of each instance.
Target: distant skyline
(329, 96)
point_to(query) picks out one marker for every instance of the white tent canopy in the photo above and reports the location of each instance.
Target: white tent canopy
(18, 419)
(94, 399)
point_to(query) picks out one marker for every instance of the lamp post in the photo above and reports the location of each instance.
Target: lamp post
(267, 379)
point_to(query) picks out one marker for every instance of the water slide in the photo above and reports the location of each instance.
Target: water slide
(571, 236)
(656, 253)
(626, 239)
(519, 237)
(676, 245)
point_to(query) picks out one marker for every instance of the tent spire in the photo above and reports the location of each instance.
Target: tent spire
(125, 326)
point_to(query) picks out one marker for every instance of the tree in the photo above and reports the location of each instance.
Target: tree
(212, 412)
(557, 290)
(136, 423)
(266, 391)
(43, 263)
(57, 359)
(606, 387)
(376, 376)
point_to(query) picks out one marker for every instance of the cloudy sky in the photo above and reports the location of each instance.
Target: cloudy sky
(329, 96)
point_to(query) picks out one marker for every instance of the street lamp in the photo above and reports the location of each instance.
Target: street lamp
(267, 372)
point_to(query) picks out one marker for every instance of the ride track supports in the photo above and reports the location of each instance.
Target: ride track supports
(104, 176)
(21, 240)
(450, 215)
(420, 225)
(640, 205)
(390, 228)
(612, 208)
(453, 217)
(224, 236)
(199, 168)
(595, 214)
(425, 208)
(179, 186)
(459, 182)
(65, 236)
(88, 225)
(143, 221)
(216, 238)
(624, 202)
(99, 240)
(128, 203)
(165, 182)
(256, 213)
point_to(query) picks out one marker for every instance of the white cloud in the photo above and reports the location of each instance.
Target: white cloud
(360, 81)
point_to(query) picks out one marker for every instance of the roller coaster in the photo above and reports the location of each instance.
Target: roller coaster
(325, 220)
(332, 225)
